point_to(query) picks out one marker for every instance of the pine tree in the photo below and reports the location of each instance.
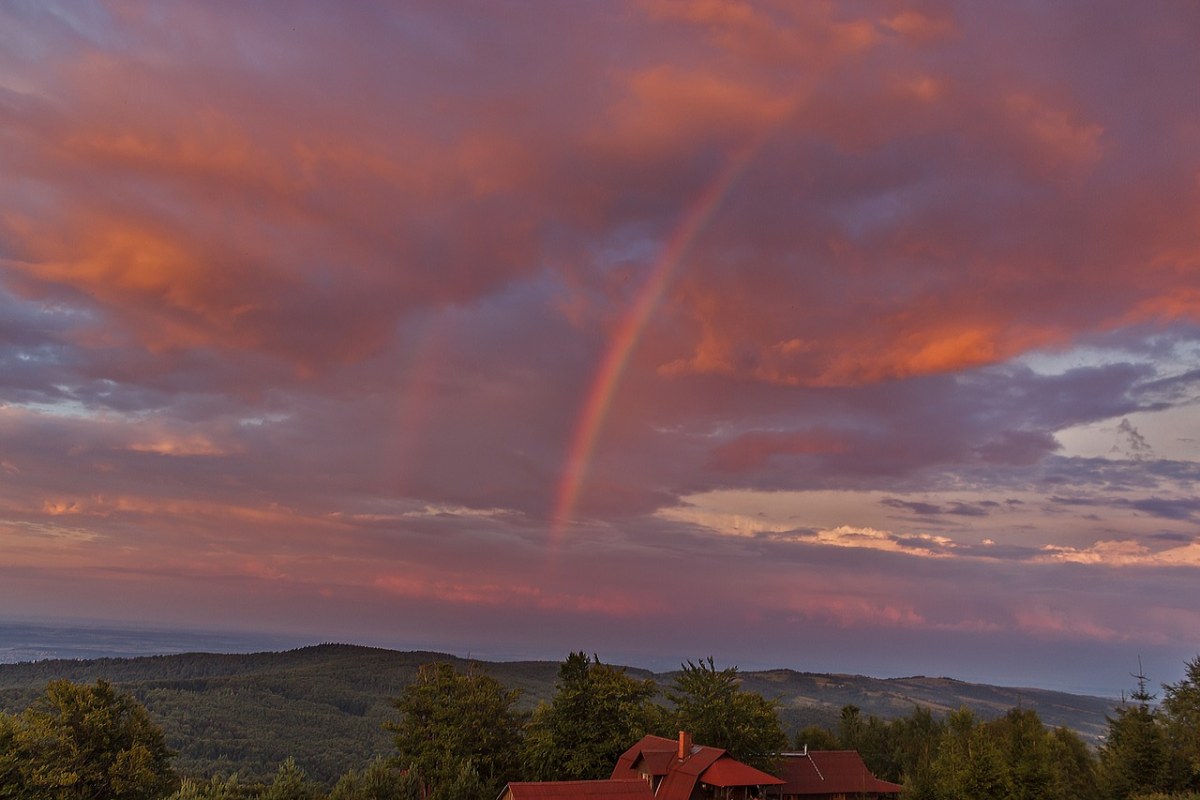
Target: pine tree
(1134, 757)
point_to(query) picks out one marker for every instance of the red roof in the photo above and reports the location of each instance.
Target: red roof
(681, 780)
(728, 772)
(655, 755)
(651, 749)
(830, 772)
(570, 790)
(655, 762)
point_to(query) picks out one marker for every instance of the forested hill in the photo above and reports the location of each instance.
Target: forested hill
(326, 705)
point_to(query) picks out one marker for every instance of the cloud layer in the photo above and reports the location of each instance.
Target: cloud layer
(482, 327)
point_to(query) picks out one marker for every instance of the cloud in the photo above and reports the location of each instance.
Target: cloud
(311, 311)
(980, 509)
(1135, 445)
(1127, 554)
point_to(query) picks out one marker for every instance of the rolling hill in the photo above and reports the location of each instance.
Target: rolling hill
(326, 705)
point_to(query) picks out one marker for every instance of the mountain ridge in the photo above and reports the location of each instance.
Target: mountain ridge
(326, 704)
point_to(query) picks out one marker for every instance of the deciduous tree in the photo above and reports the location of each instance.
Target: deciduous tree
(710, 704)
(597, 712)
(814, 737)
(82, 742)
(449, 718)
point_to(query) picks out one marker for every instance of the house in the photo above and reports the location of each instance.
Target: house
(831, 775)
(683, 770)
(573, 790)
(665, 769)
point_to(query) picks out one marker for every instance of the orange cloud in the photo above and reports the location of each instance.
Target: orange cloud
(1057, 136)
(808, 33)
(669, 103)
(1126, 553)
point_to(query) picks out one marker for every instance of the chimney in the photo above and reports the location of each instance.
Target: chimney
(685, 745)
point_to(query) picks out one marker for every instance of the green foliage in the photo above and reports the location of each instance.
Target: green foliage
(969, 765)
(449, 718)
(814, 737)
(380, 780)
(914, 742)
(325, 705)
(1025, 748)
(596, 714)
(1134, 759)
(901, 750)
(1015, 757)
(215, 789)
(466, 784)
(850, 727)
(1181, 718)
(11, 783)
(711, 706)
(291, 783)
(84, 742)
(1074, 766)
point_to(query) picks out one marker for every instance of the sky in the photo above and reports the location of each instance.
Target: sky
(840, 336)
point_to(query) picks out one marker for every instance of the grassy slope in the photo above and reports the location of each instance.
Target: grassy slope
(326, 705)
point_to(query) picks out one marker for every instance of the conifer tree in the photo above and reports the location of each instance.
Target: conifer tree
(1134, 757)
(1181, 716)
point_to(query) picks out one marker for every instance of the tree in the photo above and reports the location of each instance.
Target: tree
(969, 765)
(597, 712)
(291, 783)
(814, 737)
(1025, 748)
(81, 742)
(448, 718)
(1074, 766)
(11, 782)
(1181, 717)
(215, 789)
(850, 727)
(379, 780)
(465, 784)
(915, 740)
(717, 712)
(1134, 757)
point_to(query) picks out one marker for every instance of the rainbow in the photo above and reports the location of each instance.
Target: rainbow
(604, 385)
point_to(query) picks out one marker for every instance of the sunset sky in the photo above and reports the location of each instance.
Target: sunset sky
(840, 336)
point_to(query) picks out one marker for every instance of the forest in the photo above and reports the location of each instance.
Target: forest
(460, 733)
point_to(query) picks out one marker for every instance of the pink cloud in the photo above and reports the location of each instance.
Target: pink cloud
(310, 311)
